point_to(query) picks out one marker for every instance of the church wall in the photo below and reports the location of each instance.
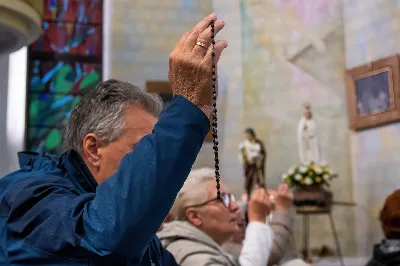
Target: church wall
(375, 153)
(270, 71)
(266, 74)
(144, 32)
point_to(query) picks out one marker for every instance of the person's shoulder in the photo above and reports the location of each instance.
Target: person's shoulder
(185, 250)
(206, 260)
(45, 178)
(23, 184)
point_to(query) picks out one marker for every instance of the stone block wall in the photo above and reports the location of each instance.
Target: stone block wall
(371, 33)
(144, 32)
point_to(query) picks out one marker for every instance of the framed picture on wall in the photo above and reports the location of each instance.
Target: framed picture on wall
(373, 93)
(163, 89)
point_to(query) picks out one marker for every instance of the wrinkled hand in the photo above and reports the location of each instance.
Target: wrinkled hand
(284, 197)
(260, 206)
(190, 66)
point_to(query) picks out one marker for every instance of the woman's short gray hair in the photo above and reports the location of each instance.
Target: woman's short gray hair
(192, 193)
(101, 111)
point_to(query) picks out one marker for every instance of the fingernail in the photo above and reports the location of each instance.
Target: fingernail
(213, 16)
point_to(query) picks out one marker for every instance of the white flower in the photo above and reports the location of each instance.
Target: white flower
(327, 170)
(291, 171)
(303, 169)
(308, 181)
(284, 176)
(318, 170)
(325, 177)
(298, 177)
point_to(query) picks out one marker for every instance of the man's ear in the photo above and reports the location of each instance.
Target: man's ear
(91, 145)
(193, 217)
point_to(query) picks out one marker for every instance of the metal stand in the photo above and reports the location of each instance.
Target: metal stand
(306, 244)
(306, 223)
(336, 237)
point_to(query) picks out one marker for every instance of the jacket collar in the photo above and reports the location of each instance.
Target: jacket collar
(185, 230)
(26, 157)
(76, 167)
(200, 241)
(70, 161)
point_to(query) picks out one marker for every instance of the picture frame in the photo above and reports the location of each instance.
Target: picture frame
(163, 89)
(373, 93)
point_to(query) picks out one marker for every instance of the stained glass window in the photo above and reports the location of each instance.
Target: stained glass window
(64, 64)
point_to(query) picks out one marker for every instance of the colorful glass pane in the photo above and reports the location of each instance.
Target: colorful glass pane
(76, 11)
(70, 38)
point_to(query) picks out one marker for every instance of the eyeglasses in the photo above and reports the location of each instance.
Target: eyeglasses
(226, 199)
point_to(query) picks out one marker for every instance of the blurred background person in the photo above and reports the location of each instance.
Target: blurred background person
(281, 221)
(387, 253)
(203, 224)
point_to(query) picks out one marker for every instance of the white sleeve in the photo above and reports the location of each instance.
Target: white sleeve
(256, 245)
(241, 146)
(296, 262)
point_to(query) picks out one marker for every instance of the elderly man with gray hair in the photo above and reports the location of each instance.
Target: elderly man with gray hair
(204, 223)
(103, 200)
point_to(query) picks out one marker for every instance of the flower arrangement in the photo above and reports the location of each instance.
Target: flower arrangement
(309, 175)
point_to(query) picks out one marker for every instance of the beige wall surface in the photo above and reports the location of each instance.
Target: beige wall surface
(281, 54)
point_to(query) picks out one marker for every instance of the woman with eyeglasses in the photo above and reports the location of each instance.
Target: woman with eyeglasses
(203, 224)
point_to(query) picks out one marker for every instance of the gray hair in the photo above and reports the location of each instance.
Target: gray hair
(192, 193)
(101, 111)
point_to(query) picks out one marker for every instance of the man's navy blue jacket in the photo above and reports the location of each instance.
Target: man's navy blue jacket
(52, 211)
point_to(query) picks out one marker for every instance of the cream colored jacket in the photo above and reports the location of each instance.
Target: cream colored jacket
(192, 247)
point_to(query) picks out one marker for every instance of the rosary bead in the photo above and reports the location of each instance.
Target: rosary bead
(214, 123)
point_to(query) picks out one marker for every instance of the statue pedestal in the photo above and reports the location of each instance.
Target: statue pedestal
(312, 199)
(315, 201)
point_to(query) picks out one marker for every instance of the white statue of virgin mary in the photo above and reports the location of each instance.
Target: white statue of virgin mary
(307, 138)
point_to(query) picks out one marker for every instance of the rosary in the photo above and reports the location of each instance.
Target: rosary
(214, 117)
